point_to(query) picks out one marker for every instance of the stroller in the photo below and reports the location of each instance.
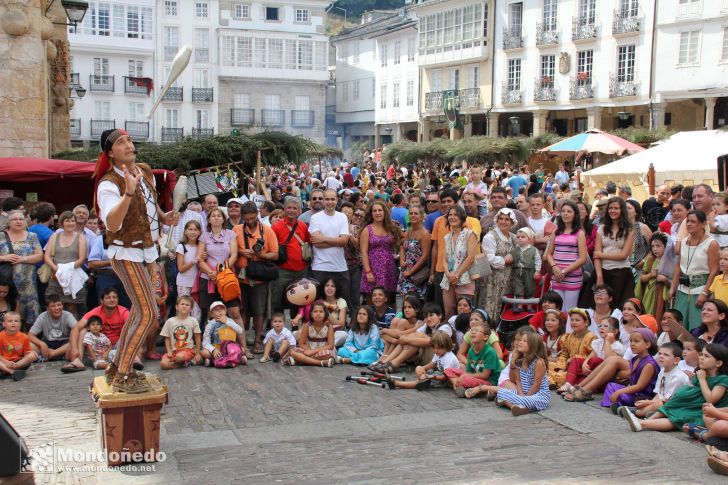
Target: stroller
(511, 318)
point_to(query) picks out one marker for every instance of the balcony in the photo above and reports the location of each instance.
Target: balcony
(202, 133)
(583, 28)
(433, 101)
(625, 23)
(102, 84)
(544, 89)
(468, 98)
(546, 36)
(620, 87)
(100, 126)
(511, 95)
(138, 130)
(202, 54)
(242, 117)
(137, 85)
(75, 79)
(581, 87)
(512, 38)
(202, 95)
(173, 94)
(75, 127)
(302, 118)
(272, 118)
(170, 135)
(170, 52)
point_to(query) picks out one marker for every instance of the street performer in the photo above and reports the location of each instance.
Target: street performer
(127, 203)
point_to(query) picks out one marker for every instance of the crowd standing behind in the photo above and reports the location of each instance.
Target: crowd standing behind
(611, 296)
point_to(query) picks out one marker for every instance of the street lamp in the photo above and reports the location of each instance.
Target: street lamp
(75, 11)
(80, 91)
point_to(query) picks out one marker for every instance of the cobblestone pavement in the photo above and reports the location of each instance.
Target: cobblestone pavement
(270, 424)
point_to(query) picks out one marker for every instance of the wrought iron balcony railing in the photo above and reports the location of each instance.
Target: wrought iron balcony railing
(101, 84)
(174, 94)
(242, 116)
(271, 118)
(202, 95)
(99, 126)
(620, 86)
(433, 100)
(202, 133)
(511, 95)
(512, 38)
(135, 85)
(583, 28)
(544, 89)
(625, 24)
(546, 36)
(302, 118)
(581, 87)
(170, 135)
(138, 130)
(75, 127)
(468, 98)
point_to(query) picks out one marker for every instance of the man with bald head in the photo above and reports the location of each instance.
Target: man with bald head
(656, 208)
(209, 202)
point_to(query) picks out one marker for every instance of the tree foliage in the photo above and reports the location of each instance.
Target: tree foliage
(474, 149)
(643, 136)
(355, 8)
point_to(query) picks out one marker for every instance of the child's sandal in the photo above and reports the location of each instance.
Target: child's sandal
(565, 388)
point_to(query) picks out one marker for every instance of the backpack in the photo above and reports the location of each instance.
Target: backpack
(228, 286)
(232, 355)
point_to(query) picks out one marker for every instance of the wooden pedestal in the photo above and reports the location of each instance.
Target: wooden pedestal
(129, 422)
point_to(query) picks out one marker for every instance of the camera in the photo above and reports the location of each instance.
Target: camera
(258, 246)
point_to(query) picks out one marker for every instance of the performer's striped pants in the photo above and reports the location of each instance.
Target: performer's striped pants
(137, 281)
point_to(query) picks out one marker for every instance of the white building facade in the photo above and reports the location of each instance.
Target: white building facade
(691, 67)
(111, 51)
(273, 66)
(564, 66)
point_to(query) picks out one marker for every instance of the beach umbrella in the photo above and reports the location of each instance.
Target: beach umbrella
(592, 141)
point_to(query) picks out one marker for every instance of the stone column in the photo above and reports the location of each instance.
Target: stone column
(377, 136)
(710, 113)
(658, 115)
(467, 127)
(455, 134)
(423, 128)
(539, 122)
(594, 117)
(397, 132)
(493, 124)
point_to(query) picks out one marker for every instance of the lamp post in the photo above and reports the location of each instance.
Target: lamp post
(75, 11)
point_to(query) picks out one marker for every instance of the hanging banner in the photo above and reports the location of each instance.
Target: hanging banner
(450, 107)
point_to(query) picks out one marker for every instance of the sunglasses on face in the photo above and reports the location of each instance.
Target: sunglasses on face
(317, 198)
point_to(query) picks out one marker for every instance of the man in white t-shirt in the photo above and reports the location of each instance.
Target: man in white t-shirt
(537, 221)
(329, 234)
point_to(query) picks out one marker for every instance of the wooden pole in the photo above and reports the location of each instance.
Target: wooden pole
(257, 171)
(651, 180)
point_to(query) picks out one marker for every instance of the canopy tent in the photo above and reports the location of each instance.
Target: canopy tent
(65, 183)
(592, 141)
(688, 158)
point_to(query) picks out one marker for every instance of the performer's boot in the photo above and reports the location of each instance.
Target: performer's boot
(110, 373)
(131, 384)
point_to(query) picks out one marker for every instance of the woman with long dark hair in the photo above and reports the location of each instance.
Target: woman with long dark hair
(612, 251)
(566, 254)
(378, 241)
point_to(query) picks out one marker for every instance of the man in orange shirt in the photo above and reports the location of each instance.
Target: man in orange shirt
(15, 352)
(256, 242)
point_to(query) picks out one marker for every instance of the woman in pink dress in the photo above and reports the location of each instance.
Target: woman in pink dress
(566, 254)
(379, 241)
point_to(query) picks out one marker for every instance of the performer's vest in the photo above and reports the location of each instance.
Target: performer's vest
(135, 231)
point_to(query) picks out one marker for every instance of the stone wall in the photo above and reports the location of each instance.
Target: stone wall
(34, 79)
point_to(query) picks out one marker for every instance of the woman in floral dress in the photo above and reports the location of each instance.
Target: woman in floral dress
(378, 241)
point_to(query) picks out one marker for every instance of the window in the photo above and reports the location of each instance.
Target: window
(454, 78)
(201, 10)
(104, 23)
(587, 11)
(397, 52)
(548, 69)
(356, 53)
(584, 63)
(170, 8)
(474, 77)
(514, 74)
(305, 55)
(383, 55)
(436, 84)
(101, 66)
(244, 54)
(628, 8)
(302, 103)
(688, 8)
(202, 117)
(102, 110)
(724, 50)
(259, 55)
(132, 22)
(625, 63)
(275, 53)
(202, 45)
(410, 93)
(345, 91)
(271, 13)
(272, 101)
(136, 68)
(171, 118)
(241, 11)
(303, 15)
(356, 90)
(171, 42)
(455, 29)
(411, 49)
(383, 96)
(549, 14)
(241, 101)
(395, 95)
(202, 78)
(688, 53)
(515, 18)
(136, 112)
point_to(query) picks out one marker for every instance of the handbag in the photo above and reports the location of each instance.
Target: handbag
(480, 268)
(260, 270)
(306, 251)
(6, 269)
(421, 276)
(282, 251)
(45, 272)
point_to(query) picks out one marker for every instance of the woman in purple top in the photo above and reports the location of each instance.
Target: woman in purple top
(217, 245)
(379, 240)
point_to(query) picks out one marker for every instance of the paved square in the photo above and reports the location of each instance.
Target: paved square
(265, 423)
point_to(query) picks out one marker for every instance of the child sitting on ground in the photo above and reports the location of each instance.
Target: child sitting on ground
(410, 322)
(575, 348)
(383, 312)
(315, 341)
(15, 352)
(555, 328)
(549, 301)
(492, 340)
(670, 317)
(504, 379)
(97, 344)
(526, 266)
(434, 370)
(685, 409)
(482, 367)
(607, 345)
(631, 310)
(181, 336)
(669, 380)
(278, 339)
(218, 330)
(692, 348)
(363, 345)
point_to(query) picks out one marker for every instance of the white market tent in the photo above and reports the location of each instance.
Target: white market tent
(688, 158)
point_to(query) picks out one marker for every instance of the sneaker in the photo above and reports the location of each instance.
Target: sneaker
(424, 384)
(18, 375)
(330, 363)
(265, 359)
(615, 408)
(620, 410)
(276, 356)
(459, 391)
(519, 410)
(634, 422)
(291, 361)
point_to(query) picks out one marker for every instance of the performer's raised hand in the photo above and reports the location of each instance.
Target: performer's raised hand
(132, 181)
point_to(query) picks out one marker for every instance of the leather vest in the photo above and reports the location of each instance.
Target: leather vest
(135, 230)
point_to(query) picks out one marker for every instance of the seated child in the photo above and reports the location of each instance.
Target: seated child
(685, 409)
(669, 380)
(51, 330)
(363, 345)
(443, 360)
(16, 355)
(716, 423)
(608, 344)
(463, 310)
(528, 373)
(692, 348)
(504, 379)
(631, 310)
(492, 340)
(408, 323)
(554, 329)
(671, 317)
(182, 337)
(219, 329)
(383, 312)
(278, 339)
(549, 301)
(315, 341)
(482, 367)
(575, 348)
(526, 266)
(97, 344)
